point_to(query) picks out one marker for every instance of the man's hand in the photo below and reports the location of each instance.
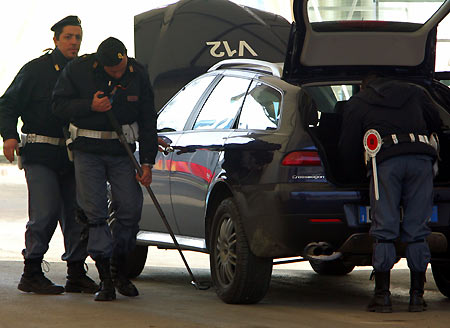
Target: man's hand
(9, 147)
(162, 145)
(146, 178)
(99, 103)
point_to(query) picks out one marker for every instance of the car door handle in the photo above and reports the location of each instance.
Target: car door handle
(167, 150)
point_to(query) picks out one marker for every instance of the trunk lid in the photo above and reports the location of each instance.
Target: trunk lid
(362, 35)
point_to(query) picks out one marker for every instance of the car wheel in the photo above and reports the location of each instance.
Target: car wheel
(441, 275)
(135, 261)
(333, 268)
(238, 275)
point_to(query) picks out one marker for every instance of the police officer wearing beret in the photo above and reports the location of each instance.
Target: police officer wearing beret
(404, 118)
(89, 87)
(48, 171)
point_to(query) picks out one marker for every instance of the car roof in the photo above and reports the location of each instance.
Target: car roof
(254, 65)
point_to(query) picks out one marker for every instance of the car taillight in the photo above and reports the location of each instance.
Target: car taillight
(301, 158)
(325, 220)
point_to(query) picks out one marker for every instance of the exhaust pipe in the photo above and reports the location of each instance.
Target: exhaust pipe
(322, 251)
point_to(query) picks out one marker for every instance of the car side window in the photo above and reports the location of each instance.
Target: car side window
(261, 109)
(174, 115)
(223, 104)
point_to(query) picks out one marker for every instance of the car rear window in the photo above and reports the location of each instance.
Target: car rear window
(443, 46)
(407, 11)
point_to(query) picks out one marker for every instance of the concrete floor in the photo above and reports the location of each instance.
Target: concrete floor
(298, 297)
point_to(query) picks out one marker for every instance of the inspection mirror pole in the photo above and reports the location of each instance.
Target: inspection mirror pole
(118, 128)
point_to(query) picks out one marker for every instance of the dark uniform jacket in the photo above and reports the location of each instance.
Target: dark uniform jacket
(29, 97)
(133, 102)
(390, 107)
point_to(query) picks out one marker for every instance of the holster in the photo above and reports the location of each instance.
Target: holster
(23, 141)
(68, 142)
(19, 162)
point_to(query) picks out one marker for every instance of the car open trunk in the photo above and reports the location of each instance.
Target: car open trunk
(330, 52)
(322, 107)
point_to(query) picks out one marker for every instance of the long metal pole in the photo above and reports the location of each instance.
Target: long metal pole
(118, 128)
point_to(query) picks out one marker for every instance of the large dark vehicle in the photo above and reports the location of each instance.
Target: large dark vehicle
(253, 179)
(183, 40)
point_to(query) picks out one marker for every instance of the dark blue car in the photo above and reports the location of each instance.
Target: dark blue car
(253, 177)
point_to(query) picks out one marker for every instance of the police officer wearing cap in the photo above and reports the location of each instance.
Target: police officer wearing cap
(48, 171)
(109, 80)
(403, 117)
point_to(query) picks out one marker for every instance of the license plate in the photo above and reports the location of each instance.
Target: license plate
(364, 214)
(434, 215)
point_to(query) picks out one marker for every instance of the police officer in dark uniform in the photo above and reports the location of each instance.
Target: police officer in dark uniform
(89, 87)
(48, 171)
(404, 117)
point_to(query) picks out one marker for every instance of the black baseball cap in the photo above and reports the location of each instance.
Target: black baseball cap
(111, 52)
(69, 20)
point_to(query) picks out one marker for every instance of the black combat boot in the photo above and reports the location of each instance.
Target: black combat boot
(416, 301)
(120, 279)
(106, 291)
(78, 281)
(381, 300)
(34, 281)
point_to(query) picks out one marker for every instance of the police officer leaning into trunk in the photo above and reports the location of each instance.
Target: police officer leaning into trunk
(89, 87)
(405, 118)
(49, 173)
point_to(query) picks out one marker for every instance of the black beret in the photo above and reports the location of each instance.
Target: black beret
(69, 20)
(111, 51)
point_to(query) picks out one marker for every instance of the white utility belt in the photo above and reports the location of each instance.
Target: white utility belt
(373, 142)
(410, 137)
(130, 131)
(36, 138)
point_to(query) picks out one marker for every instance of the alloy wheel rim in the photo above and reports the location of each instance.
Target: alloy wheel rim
(226, 252)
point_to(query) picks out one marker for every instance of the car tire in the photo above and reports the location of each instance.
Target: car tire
(332, 268)
(135, 261)
(441, 275)
(239, 276)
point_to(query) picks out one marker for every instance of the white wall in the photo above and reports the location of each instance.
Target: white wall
(25, 27)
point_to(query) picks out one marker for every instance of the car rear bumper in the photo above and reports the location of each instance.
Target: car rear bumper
(361, 243)
(281, 220)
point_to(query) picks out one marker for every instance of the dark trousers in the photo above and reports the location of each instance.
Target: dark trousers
(93, 172)
(405, 181)
(51, 199)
